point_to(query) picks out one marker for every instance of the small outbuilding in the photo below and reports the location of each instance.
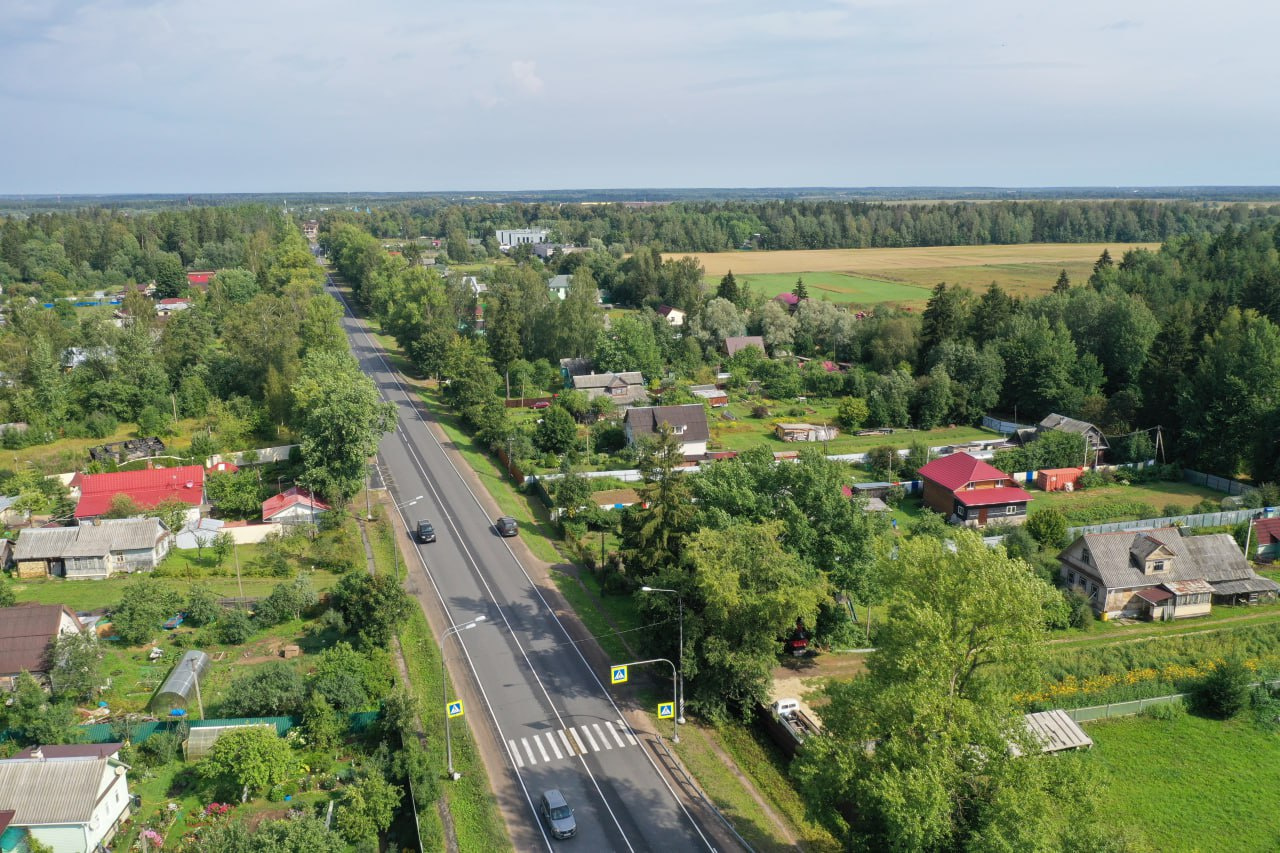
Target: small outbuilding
(200, 739)
(182, 684)
(1055, 731)
(1058, 479)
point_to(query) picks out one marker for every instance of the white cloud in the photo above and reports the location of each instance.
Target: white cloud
(526, 76)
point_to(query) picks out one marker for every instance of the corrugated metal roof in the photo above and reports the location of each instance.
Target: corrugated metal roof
(25, 634)
(43, 791)
(89, 540)
(1056, 731)
(989, 497)
(604, 380)
(1214, 558)
(959, 469)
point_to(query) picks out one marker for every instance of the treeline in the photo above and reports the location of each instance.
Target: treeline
(702, 226)
(48, 255)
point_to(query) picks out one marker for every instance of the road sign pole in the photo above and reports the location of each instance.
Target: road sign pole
(618, 675)
(444, 693)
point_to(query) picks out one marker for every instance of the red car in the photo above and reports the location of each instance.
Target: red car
(541, 404)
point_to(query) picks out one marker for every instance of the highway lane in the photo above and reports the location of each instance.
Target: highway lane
(552, 713)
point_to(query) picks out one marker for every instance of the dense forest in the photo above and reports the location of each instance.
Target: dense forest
(692, 226)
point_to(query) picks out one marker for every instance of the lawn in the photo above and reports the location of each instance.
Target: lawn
(1192, 784)
(1120, 503)
(72, 454)
(837, 287)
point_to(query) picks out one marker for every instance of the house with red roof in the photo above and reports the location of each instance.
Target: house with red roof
(167, 306)
(1266, 535)
(294, 505)
(788, 299)
(968, 491)
(200, 278)
(148, 489)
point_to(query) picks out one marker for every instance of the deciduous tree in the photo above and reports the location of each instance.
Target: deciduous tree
(249, 761)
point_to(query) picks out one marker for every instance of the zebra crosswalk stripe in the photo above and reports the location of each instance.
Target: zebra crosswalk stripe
(614, 732)
(626, 730)
(567, 746)
(586, 731)
(555, 747)
(577, 741)
(528, 749)
(604, 740)
(542, 749)
(515, 753)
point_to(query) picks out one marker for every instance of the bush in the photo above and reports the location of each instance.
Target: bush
(1048, 527)
(1166, 711)
(233, 627)
(159, 749)
(883, 461)
(1172, 510)
(1081, 609)
(1224, 692)
(759, 411)
(894, 495)
(100, 424)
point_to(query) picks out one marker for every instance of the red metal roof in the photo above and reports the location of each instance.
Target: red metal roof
(290, 497)
(148, 488)
(223, 468)
(787, 299)
(1267, 530)
(199, 277)
(174, 300)
(959, 469)
(987, 497)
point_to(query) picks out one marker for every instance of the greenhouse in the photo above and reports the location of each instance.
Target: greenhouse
(182, 686)
(200, 740)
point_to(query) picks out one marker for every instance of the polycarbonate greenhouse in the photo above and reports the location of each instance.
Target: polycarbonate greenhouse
(200, 740)
(179, 689)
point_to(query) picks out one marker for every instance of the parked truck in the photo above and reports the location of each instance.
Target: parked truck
(788, 724)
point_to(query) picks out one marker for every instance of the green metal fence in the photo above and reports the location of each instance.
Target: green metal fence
(103, 732)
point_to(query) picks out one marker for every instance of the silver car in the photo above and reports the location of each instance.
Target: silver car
(557, 814)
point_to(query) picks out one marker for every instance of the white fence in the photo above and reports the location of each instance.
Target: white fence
(263, 454)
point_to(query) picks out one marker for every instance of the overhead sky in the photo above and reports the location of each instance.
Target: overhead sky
(408, 95)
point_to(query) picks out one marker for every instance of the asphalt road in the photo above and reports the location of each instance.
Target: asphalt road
(553, 713)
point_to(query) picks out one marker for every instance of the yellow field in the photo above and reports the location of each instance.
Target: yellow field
(865, 261)
(1022, 269)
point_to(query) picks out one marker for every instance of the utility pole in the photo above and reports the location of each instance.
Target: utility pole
(196, 676)
(235, 552)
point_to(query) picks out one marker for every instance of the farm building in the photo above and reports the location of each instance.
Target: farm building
(1058, 479)
(804, 432)
(874, 504)
(968, 491)
(1061, 423)
(183, 683)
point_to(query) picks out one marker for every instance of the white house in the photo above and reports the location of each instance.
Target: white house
(72, 798)
(294, 506)
(559, 286)
(688, 424)
(520, 236)
(673, 316)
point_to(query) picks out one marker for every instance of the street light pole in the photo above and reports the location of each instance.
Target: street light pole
(444, 692)
(680, 653)
(395, 543)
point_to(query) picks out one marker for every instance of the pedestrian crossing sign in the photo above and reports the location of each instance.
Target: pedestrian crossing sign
(453, 709)
(619, 674)
(666, 710)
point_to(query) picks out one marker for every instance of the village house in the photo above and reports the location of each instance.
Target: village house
(622, 388)
(199, 279)
(1097, 442)
(968, 491)
(26, 633)
(804, 432)
(1266, 539)
(148, 489)
(1159, 574)
(736, 343)
(673, 316)
(294, 505)
(559, 286)
(509, 237)
(169, 305)
(73, 799)
(711, 395)
(95, 550)
(688, 424)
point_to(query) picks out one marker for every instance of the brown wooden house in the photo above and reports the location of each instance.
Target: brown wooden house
(968, 491)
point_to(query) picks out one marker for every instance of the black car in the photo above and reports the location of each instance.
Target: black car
(424, 532)
(557, 814)
(506, 526)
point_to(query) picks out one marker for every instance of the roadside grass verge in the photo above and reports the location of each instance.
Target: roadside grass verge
(537, 531)
(474, 809)
(1191, 783)
(765, 764)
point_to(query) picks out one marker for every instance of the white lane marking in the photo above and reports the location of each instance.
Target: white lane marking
(586, 731)
(515, 752)
(604, 740)
(555, 747)
(626, 730)
(529, 750)
(416, 406)
(545, 755)
(614, 732)
(567, 746)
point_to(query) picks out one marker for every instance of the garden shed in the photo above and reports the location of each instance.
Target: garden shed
(200, 740)
(181, 685)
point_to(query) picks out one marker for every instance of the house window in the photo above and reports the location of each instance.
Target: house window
(678, 429)
(1071, 578)
(1084, 555)
(962, 510)
(1157, 566)
(1012, 509)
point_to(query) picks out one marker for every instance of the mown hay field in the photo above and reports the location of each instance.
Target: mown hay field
(1023, 269)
